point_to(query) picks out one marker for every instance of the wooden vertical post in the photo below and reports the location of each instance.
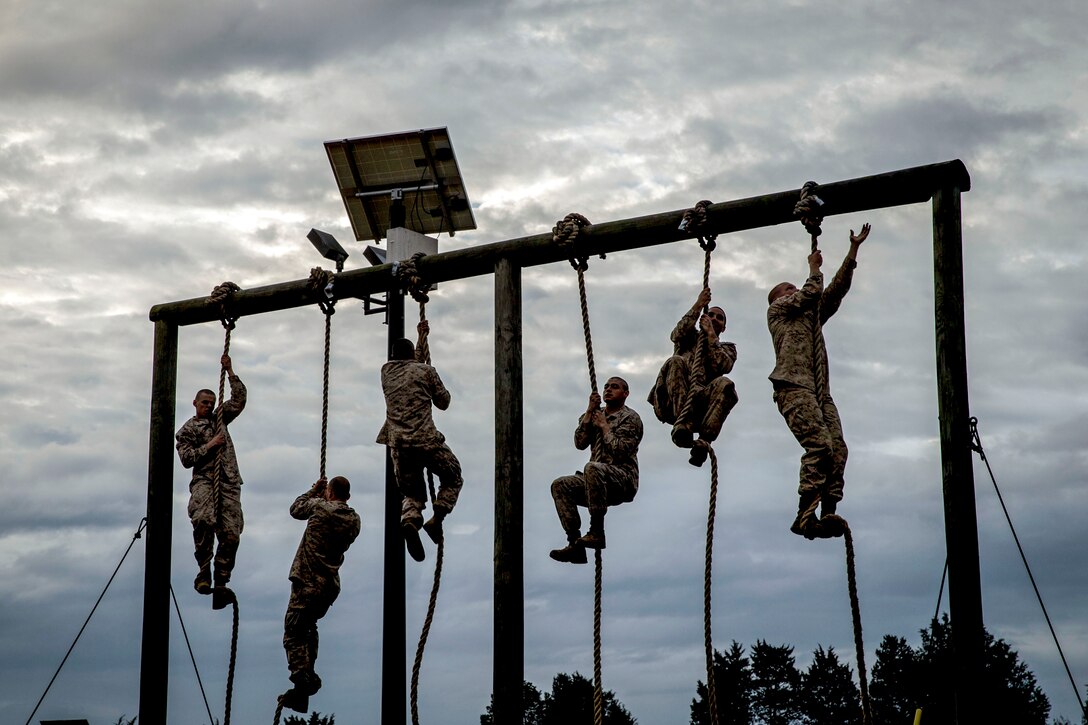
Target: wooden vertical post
(394, 672)
(155, 646)
(509, 627)
(961, 524)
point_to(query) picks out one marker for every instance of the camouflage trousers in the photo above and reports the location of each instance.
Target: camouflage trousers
(408, 464)
(205, 530)
(817, 427)
(711, 405)
(602, 485)
(306, 606)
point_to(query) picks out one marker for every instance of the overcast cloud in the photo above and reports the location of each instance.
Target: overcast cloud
(149, 151)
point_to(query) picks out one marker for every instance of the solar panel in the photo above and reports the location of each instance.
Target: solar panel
(408, 179)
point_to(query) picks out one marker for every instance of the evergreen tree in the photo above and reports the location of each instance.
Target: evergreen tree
(532, 704)
(894, 688)
(776, 683)
(733, 682)
(828, 695)
(316, 718)
(1012, 691)
(570, 701)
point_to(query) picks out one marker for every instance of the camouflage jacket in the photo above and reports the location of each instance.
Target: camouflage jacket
(620, 446)
(194, 435)
(720, 356)
(800, 354)
(410, 388)
(331, 527)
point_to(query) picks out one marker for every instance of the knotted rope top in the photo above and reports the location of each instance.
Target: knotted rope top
(807, 209)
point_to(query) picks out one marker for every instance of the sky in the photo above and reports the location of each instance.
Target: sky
(150, 151)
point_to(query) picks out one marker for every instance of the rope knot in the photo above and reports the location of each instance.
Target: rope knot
(807, 210)
(693, 222)
(221, 296)
(565, 234)
(407, 273)
(321, 286)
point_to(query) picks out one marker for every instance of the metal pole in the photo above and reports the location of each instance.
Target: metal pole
(509, 626)
(155, 646)
(393, 628)
(961, 524)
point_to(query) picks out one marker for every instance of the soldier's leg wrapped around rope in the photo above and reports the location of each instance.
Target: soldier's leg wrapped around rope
(671, 389)
(713, 405)
(201, 511)
(408, 467)
(306, 606)
(441, 461)
(805, 417)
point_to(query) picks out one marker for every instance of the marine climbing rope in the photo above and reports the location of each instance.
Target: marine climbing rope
(565, 233)
(222, 595)
(694, 222)
(407, 273)
(807, 211)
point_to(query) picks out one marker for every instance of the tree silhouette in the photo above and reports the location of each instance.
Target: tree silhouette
(733, 681)
(894, 689)
(828, 695)
(775, 684)
(570, 701)
(316, 718)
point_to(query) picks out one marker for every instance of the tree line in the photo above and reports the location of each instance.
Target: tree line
(764, 686)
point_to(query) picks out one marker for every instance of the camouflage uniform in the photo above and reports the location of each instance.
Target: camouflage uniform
(714, 399)
(414, 442)
(192, 439)
(611, 476)
(800, 379)
(331, 527)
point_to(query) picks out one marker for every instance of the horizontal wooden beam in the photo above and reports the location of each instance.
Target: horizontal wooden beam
(895, 188)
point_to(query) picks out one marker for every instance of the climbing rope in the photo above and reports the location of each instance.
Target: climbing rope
(408, 275)
(565, 234)
(855, 611)
(221, 296)
(807, 211)
(693, 222)
(320, 284)
(230, 668)
(976, 446)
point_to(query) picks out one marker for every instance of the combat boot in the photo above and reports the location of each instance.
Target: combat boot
(222, 596)
(203, 581)
(595, 538)
(433, 527)
(306, 681)
(295, 700)
(828, 506)
(410, 531)
(806, 522)
(573, 553)
(682, 435)
(700, 449)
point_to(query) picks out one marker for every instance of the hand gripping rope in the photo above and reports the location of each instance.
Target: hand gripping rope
(807, 211)
(565, 234)
(221, 295)
(408, 275)
(694, 221)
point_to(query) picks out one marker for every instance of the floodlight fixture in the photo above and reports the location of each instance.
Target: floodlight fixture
(329, 247)
(374, 255)
(408, 179)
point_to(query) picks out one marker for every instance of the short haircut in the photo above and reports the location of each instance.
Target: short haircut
(204, 391)
(626, 387)
(340, 487)
(773, 294)
(403, 349)
(725, 318)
